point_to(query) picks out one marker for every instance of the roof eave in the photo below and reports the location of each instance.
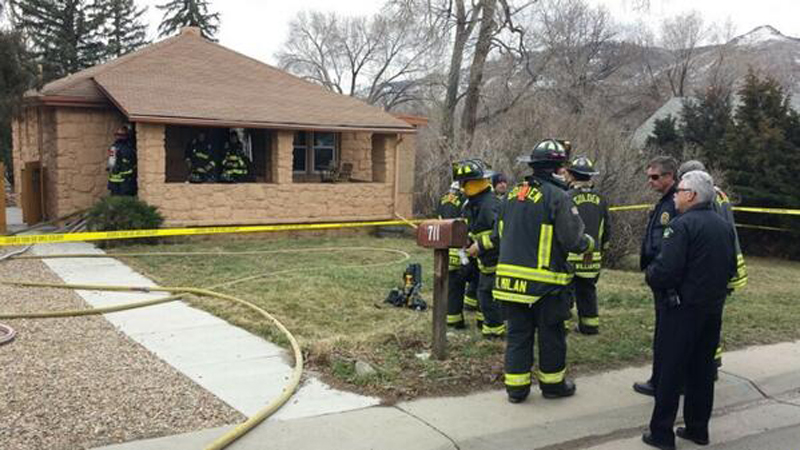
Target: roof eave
(191, 121)
(65, 100)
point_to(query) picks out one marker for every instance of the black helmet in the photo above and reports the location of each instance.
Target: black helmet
(582, 165)
(548, 153)
(471, 169)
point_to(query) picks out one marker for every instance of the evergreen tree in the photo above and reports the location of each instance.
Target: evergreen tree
(188, 13)
(16, 76)
(706, 120)
(65, 35)
(764, 146)
(665, 138)
(123, 30)
(762, 161)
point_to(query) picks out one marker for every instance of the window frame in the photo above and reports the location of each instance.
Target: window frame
(310, 151)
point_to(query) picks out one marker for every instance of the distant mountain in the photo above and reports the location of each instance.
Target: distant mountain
(764, 49)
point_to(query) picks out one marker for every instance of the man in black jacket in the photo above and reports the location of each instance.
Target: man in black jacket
(661, 176)
(696, 262)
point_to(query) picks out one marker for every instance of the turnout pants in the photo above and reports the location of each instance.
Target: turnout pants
(459, 283)
(686, 344)
(491, 310)
(585, 291)
(546, 317)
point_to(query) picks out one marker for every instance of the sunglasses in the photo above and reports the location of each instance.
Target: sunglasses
(656, 176)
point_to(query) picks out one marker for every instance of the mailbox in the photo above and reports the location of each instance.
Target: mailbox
(442, 234)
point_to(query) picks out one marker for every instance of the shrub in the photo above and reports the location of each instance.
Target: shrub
(123, 213)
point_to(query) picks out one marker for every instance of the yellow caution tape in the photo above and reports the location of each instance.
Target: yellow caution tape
(166, 232)
(791, 212)
(629, 207)
(749, 209)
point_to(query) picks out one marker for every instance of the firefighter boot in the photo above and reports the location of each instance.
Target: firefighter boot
(564, 389)
(518, 395)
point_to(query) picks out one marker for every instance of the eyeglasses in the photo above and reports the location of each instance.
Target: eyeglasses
(683, 190)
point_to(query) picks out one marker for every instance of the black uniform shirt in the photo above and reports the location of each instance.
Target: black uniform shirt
(698, 257)
(660, 216)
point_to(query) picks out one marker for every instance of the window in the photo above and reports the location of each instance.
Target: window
(313, 152)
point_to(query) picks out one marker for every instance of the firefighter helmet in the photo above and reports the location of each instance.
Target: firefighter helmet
(582, 165)
(548, 153)
(471, 169)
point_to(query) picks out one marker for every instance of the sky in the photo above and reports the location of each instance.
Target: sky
(258, 28)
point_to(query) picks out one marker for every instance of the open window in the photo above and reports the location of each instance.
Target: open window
(255, 144)
(315, 155)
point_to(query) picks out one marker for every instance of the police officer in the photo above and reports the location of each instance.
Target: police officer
(122, 164)
(481, 214)
(537, 226)
(593, 210)
(200, 160)
(722, 206)
(696, 262)
(234, 163)
(661, 176)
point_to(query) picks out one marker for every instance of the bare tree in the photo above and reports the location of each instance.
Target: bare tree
(682, 35)
(582, 42)
(382, 59)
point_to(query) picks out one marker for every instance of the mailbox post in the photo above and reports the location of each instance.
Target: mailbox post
(441, 235)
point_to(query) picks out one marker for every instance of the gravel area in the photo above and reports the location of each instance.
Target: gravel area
(79, 383)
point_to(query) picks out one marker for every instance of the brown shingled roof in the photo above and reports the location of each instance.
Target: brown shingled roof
(190, 80)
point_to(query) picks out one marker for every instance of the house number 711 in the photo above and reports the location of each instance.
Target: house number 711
(433, 232)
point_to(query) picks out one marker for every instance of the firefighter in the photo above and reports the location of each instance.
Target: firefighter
(122, 164)
(481, 213)
(722, 206)
(593, 210)
(450, 207)
(537, 226)
(200, 160)
(234, 163)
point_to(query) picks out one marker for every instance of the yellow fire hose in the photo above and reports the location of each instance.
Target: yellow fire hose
(177, 292)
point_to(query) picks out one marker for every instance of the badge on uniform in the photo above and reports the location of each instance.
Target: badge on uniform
(667, 232)
(664, 218)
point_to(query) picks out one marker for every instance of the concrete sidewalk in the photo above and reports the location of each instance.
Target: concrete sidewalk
(241, 369)
(758, 391)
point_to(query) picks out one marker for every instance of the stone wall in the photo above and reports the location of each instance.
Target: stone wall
(356, 149)
(83, 137)
(407, 152)
(34, 139)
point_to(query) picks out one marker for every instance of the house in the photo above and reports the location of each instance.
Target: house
(295, 132)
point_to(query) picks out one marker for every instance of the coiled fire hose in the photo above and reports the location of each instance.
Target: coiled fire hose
(178, 292)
